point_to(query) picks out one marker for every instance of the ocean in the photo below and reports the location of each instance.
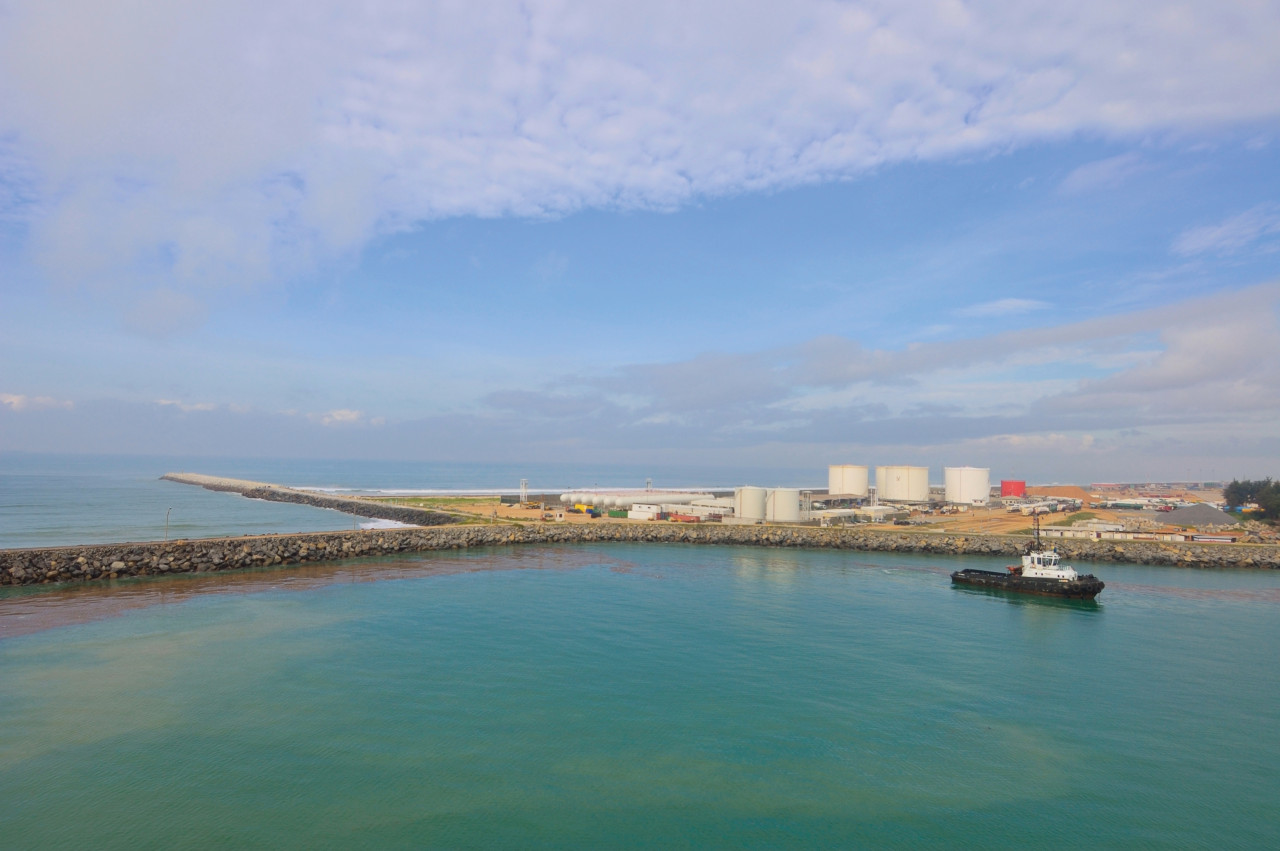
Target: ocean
(51, 500)
(632, 696)
(613, 695)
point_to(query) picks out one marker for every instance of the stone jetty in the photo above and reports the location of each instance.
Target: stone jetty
(109, 561)
(349, 505)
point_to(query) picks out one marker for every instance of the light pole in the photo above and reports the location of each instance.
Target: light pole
(166, 524)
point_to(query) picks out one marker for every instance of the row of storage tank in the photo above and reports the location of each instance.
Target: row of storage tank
(962, 485)
(626, 500)
(908, 484)
(780, 505)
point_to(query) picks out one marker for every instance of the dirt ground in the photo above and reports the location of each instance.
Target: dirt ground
(996, 520)
(487, 508)
(992, 520)
(1065, 491)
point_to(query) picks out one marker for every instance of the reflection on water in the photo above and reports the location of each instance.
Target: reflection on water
(1262, 595)
(28, 609)
(31, 608)
(1034, 600)
(769, 565)
(638, 696)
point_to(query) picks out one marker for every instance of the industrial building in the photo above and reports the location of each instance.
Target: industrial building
(848, 481)
(782, 505)
(850, 496)
(628, 499)
(1013, 487)
(902, 484)
(967, 485)
(773, 505)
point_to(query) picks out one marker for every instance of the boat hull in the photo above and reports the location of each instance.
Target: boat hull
(1081, 588)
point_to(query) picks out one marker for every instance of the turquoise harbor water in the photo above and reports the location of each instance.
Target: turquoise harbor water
(630, 696)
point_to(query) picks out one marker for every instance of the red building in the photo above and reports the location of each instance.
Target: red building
(1012, 487)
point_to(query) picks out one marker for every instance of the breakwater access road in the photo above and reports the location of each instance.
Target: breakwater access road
(348, 505)
(111, 561)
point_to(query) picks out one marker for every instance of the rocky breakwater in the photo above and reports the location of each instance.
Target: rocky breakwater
(113, 561)
(345, 504)
(109, 561)
(884, 540)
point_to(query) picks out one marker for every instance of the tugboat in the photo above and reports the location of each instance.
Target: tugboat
(1039, 573)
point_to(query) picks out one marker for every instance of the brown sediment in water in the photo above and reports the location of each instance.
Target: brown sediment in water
(38, 608)
(1257, 595)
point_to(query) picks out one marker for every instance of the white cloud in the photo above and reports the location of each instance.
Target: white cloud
(186, 407)
(1003, 307)
(19, 402)
(1231, 235)
(1150, 393)
(185, 147)
(1070, 444)
(338, 416)
(1102, 174)
(1099, 374)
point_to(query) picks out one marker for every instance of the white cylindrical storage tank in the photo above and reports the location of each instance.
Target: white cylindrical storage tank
(749, 503)
(902, 483)
(677, 498)
(783, 505)
(847, 480)
(967, 485)
(566, 498)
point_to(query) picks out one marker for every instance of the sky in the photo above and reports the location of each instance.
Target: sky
(1033, 236)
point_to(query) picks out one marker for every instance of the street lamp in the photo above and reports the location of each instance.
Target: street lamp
(166, 524)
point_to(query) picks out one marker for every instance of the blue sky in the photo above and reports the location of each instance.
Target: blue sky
(1037, 238)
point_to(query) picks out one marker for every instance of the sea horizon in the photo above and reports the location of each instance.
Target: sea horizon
(49, 499)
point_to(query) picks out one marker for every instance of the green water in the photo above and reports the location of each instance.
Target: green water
(650, 696)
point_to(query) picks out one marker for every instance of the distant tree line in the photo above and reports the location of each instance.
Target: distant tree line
(1264, 492)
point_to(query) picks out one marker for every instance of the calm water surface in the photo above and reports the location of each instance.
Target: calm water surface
(52, 500)
(641, 696)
